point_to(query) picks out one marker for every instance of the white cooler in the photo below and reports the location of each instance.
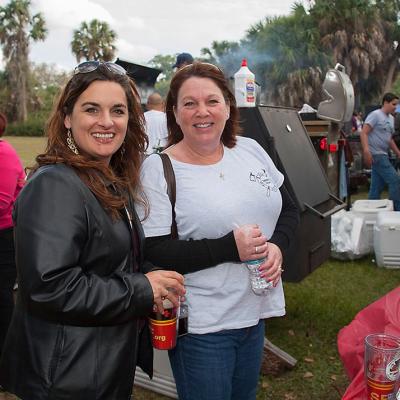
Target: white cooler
(387, 239)
(368, 210)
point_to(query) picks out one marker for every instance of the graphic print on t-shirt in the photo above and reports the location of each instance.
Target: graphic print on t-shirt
(262, 178)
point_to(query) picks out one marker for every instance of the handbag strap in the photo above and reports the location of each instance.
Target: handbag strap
(169, 175)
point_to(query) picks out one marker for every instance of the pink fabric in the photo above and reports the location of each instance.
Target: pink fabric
(382, 316)
(12, 179)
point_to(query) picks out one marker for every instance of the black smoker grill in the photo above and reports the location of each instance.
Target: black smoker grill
(282, 134)
(145, 78)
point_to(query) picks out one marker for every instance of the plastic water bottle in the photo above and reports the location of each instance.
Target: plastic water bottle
(259, 285)
(245, 86)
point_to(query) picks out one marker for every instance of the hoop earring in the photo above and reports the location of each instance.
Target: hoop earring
(71, 142)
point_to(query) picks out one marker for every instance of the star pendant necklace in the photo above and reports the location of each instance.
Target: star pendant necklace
(221, 173)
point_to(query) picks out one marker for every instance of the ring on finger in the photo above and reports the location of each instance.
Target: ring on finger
(256, 249)
(280, 269)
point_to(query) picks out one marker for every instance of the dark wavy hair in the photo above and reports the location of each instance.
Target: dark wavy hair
(389, 97)
(123, 171)
(202, 70)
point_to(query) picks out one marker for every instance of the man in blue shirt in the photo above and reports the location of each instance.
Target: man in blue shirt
(376, 140)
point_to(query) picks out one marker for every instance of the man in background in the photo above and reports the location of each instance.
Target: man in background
(156, 123)
(182, 60)
(376, 140)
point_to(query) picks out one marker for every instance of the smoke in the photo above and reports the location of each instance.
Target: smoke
(257, 62)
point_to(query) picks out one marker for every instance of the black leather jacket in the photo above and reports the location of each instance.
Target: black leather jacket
(76, 332)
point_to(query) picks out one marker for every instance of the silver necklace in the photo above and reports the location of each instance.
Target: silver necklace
(221, 174)
(218, 167)
(217, 170)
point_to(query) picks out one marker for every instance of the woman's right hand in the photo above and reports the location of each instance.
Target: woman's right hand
(250, 242)
(166, 285)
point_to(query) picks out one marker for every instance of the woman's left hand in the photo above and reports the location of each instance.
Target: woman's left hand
(272, 269)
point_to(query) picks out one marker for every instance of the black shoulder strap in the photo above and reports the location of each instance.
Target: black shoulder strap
(171, 189)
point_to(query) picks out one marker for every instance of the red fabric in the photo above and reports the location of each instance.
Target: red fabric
(382, 316)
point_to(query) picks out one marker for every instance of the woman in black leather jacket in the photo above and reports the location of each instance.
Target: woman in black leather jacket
(79, 327)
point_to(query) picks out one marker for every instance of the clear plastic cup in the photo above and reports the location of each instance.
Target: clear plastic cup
(381, 366)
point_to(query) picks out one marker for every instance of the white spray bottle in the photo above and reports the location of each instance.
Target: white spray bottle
(245, 87)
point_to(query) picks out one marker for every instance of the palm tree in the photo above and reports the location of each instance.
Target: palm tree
(389, 10)
(94, 41)
(226, 54)
(363, 36)
(163, 63)
(17, 28)
(219, 51)
(290, 64)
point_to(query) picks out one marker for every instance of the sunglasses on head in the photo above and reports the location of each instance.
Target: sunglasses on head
(90, 66)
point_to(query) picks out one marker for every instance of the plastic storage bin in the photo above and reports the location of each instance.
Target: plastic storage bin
(387, 239)
(368, 210)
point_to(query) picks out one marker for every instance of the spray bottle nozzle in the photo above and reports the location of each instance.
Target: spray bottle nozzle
(244, 62)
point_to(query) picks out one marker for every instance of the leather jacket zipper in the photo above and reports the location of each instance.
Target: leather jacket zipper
(129, 217)
(128, 214)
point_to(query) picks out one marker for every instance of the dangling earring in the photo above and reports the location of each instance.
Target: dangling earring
(71, 142)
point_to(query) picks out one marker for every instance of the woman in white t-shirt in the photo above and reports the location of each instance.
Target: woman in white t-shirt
(223, 182)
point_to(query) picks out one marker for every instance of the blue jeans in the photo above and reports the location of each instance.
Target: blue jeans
(383, 173)
(223, 365)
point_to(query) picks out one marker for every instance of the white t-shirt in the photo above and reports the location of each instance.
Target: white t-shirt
(211, 200)
(156, 129)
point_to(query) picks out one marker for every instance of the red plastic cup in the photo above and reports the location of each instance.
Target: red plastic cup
(381, 365)
(163, 327)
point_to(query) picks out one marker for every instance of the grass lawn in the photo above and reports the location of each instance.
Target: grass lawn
(27, 147)
(317, 308)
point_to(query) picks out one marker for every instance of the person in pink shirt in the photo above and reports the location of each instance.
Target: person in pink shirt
(12, 178)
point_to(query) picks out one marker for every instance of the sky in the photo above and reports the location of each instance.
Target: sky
(149, 27)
